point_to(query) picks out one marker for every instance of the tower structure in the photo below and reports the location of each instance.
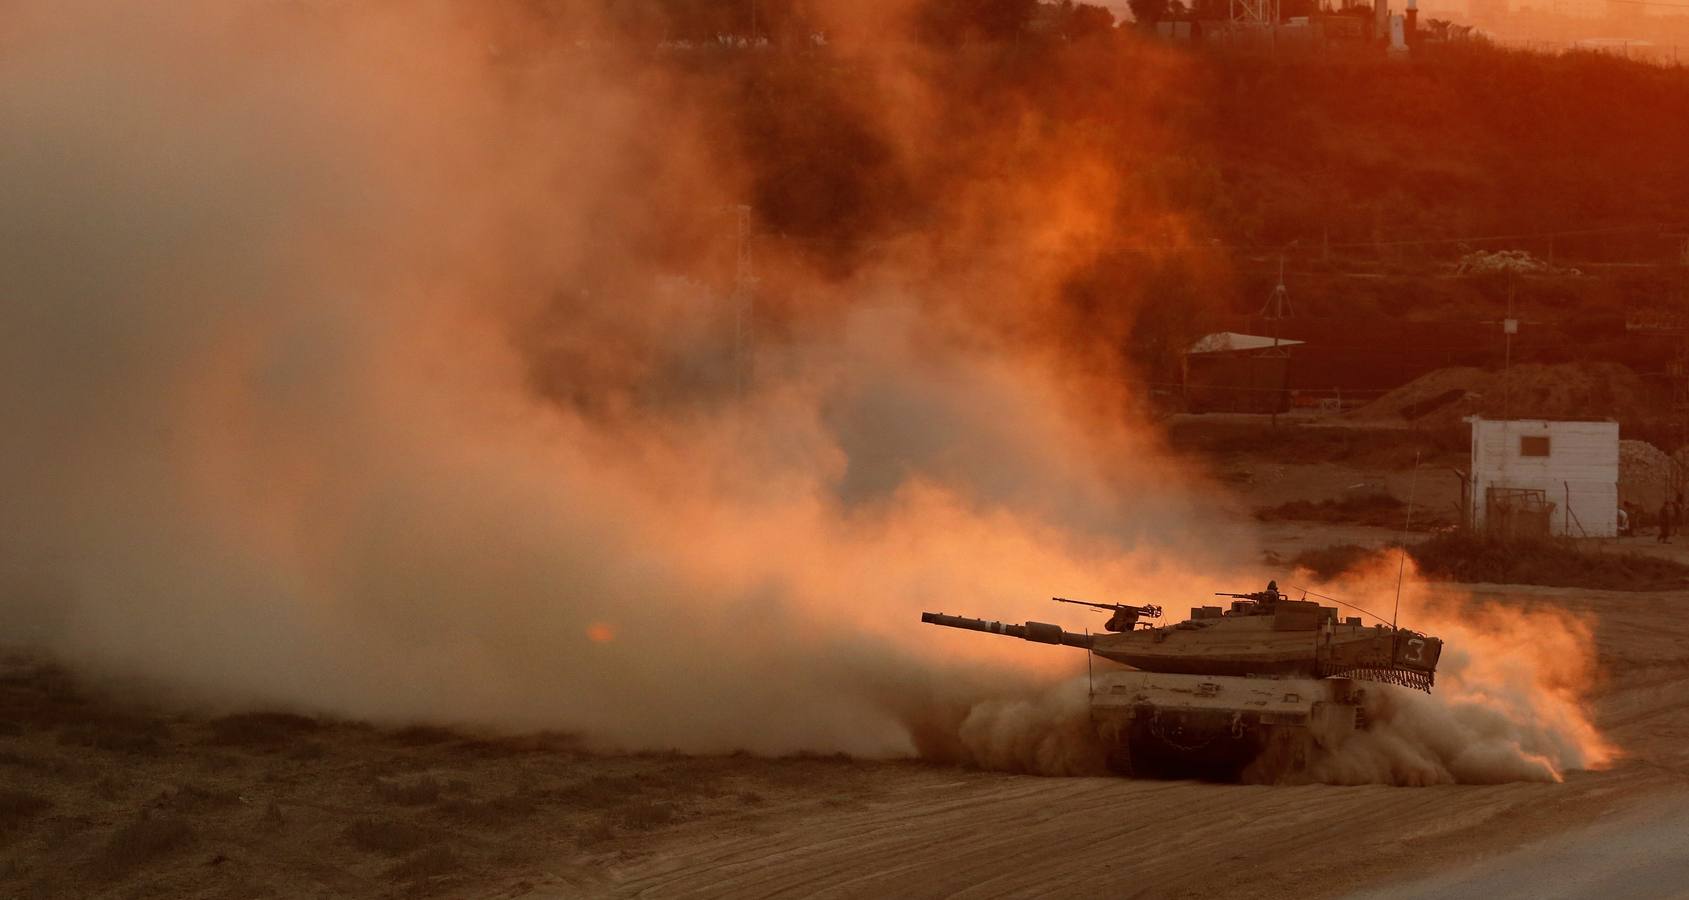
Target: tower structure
(1257, 13)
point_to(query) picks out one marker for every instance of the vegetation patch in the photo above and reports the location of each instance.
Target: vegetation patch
(1467, 557)
(1461, 556)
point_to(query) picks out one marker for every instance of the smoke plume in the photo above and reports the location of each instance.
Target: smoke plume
(1511, 701)
(420, 361)
(355, 363)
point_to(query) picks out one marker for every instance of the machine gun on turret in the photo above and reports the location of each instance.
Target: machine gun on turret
(1263, 600)
(1125, 616)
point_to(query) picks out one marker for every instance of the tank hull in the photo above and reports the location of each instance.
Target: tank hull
(1276, 646)
(1219, 727)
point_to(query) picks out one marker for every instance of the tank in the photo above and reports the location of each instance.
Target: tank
(1252, 690)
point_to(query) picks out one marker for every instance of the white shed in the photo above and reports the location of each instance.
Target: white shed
(1531, 475)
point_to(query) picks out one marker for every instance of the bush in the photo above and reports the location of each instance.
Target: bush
(1329, 562)
(1463, 556)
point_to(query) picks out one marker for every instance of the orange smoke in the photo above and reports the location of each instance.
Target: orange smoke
(1512, 700)
(411, 362)
(369, 358)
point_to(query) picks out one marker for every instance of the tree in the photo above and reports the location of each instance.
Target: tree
(1148, 12)
(1087, 19)
(953, 21)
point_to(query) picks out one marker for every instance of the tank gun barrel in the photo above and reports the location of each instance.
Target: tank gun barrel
(1037, 632)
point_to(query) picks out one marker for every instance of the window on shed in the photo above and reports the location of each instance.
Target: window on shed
(1533, 445)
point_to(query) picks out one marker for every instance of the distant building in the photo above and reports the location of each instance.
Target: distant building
(1533, 477)
(1232, 372)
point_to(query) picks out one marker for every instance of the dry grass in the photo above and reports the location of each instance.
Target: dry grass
(1461, 556)
(1329, 562)
(1465, 557)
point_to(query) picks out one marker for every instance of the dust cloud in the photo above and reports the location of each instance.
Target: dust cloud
(353, 364)
(1511, 701)
(357, 361)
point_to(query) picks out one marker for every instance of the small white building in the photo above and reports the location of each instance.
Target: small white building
(1534, 476)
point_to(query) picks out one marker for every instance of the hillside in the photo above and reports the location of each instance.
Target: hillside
(1372, 177)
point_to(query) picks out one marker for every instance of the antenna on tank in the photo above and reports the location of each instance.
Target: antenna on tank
(1306, 593)
(1090, 681)
(1401, 563)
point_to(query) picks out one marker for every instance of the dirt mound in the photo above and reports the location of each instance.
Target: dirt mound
(1648, 475)
(1530, 391)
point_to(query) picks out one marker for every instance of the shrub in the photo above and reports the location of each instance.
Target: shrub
(1329, 562)
(1463, 556)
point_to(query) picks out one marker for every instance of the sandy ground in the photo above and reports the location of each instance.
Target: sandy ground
(103, 795)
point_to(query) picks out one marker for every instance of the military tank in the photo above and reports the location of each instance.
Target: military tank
(1253, 690)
